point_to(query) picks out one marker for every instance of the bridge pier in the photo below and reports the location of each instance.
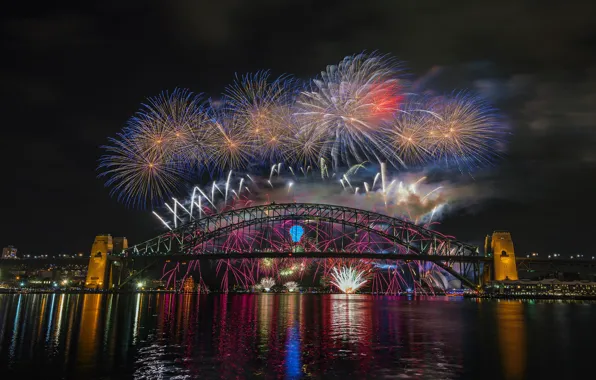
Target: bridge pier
(500, 246)
(100, 271)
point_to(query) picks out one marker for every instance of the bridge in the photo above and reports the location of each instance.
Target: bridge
(304, 231)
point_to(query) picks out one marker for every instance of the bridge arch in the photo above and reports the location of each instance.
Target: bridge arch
(196, 237)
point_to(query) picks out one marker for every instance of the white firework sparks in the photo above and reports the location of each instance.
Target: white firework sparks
(348, 279)
(267, 283)
(292, 286)
(346, 104)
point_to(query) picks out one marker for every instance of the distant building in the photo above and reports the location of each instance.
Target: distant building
(9, 252)
(568, 276)
(157, 284)
(548, 287)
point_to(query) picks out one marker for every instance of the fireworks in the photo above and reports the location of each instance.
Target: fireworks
(463, 131)
(263, 108)
(149, 159)
(407, 197)
(408, 133)
(267, 283)
(348, 279)
(460, 131)
(139, 177)
(346, 105)
(292, 286)
(228, 141)
(279, 139)
(357, 110)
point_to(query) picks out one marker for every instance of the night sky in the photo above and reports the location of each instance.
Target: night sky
(72, 76)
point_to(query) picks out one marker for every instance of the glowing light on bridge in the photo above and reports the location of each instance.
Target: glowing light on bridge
(296, 233)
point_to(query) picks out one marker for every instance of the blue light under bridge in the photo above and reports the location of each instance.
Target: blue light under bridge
(296, 233)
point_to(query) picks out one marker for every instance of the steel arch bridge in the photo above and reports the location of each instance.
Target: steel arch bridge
(326, 231)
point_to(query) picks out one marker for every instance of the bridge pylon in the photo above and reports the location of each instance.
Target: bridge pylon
(500, 245)
(100, 270)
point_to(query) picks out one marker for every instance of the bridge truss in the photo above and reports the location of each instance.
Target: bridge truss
(311, 230)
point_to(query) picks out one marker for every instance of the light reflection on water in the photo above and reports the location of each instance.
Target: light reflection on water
(289, 336)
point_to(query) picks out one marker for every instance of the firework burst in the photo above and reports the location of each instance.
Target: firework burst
(348, 279)
(463, 131)
(346, 105)
(148, 160)
(137, 176)
(229, 142)
(267, 283)
(408, 134)
(292, 286)
(263, 109)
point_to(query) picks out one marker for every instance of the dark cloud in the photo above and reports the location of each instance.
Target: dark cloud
(72, 75)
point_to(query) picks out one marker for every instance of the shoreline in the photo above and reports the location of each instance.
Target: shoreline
(406, 295)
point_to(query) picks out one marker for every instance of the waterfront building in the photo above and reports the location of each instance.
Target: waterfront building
(9, 252)
(548, 288)
(157, 284)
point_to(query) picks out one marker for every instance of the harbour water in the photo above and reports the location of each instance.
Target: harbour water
(291, 336)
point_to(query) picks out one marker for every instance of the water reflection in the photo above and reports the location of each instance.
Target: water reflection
(512, 338)
(88, 342)
(15, 330)
(285, 336)
(349, 318)
(293, 353)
